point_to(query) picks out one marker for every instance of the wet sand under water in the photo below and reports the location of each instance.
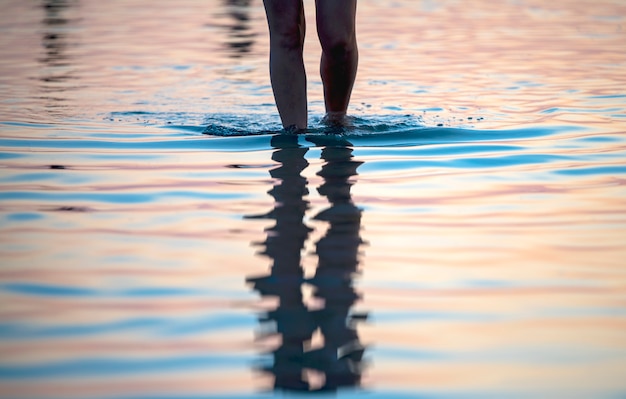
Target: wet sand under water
(159, 237)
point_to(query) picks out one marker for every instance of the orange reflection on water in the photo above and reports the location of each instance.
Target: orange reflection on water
(132, 242)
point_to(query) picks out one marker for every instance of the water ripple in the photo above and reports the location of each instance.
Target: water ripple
(117, 366)
(465, 237)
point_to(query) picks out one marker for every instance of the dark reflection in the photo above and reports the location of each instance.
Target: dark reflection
(56, 61)
(337, 358)
(240, 34)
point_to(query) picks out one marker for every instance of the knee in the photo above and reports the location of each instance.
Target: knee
(288, 37)
(338, 46)
(286, 25)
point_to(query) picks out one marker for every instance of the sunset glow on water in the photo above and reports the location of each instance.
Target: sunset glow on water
(161, 238)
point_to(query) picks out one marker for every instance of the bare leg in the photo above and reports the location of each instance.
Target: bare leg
(340, 56)
(285, 19)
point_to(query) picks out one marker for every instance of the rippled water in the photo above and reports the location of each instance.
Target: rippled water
(161, 239)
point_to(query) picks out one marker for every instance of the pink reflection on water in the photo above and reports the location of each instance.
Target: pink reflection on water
(510, 277)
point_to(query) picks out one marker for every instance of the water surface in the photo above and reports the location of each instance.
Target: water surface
(161, 239)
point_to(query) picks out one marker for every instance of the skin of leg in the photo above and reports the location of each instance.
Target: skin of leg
(337, 34)
(286, 23)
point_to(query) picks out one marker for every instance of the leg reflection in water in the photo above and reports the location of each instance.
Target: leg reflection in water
(339, 357)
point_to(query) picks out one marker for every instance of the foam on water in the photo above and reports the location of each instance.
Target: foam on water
(161, 237)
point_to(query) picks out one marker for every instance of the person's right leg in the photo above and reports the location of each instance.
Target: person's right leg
(285, 19)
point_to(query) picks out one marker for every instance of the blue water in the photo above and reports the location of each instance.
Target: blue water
(162, 237)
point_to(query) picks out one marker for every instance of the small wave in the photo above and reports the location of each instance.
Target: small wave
(385, 131)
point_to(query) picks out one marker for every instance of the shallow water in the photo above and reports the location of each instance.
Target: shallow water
(161, 239)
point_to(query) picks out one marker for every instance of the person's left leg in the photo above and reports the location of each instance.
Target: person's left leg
(337, 33)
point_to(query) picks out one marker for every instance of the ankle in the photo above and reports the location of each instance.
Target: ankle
(338, 118)
(294, 129)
